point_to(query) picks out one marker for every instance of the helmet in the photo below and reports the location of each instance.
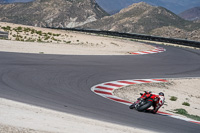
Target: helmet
(161, 93)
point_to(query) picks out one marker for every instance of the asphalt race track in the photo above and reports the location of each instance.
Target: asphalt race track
(63, 82)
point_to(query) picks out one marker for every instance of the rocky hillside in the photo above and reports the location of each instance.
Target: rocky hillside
(145, 19)
(191, 14)
(175, 6)
(52, 13)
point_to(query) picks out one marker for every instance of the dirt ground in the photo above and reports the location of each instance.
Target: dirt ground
(186, 90)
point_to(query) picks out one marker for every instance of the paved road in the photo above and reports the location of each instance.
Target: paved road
(63, 83)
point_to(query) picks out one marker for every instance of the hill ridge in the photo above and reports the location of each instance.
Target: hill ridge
(143, 18)
(52, 13)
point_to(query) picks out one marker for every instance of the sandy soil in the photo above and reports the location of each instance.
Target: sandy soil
(49, 41)
(186, 90)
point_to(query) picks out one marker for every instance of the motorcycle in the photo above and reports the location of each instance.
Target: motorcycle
(141, 104)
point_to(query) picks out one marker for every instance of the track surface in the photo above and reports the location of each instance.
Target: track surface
(63, 83)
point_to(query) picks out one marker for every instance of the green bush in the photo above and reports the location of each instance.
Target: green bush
(181, 111)
(39, 32)
(54, 39)
(39, 40)
(32, 31)
(14, 35)
(56, 34)
(68, 42)
(173, 98)
(185, 113)
(18, 29)
(186, 104)
(30, 40)
(27, 29)
(50, 33)
(7, 28)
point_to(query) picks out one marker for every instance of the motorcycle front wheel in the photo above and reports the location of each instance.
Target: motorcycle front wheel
(145, 106)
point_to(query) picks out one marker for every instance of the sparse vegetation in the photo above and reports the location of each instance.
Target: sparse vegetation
(7, 28)
(46, 37)
(68, 42)
(19, 29)
(39, 32)
(50, 33)
(32, 35)
(30, 40)
(185, 113)
(186, 104)
(173, 98)
(39, 40)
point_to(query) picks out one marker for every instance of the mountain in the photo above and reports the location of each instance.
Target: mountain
(114, 6)
(176, 6)
(52, 13)
(3, 1)
(145, 19)
(191, 14)
(13, 1)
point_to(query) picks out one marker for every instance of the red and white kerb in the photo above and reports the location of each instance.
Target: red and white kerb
(156, 50)
(106, 90)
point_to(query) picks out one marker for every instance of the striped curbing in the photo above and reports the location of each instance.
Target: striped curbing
(106, 90)
(155, 50)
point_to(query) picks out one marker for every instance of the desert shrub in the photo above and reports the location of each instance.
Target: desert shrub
(185, 113)
(46, 37)
(30, 40)
(54, 39)
(7, 28)
(14, 35)
(18, 29)
(186, 104)
(173, 98)
(32, 31)
(49, 33)
(27, 29)
(181, 111)
(68, 42)
(39, 32)
(45, 34)
(39, 40)
(56, 34)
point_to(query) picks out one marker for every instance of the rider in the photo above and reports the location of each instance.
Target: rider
(158, 100)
